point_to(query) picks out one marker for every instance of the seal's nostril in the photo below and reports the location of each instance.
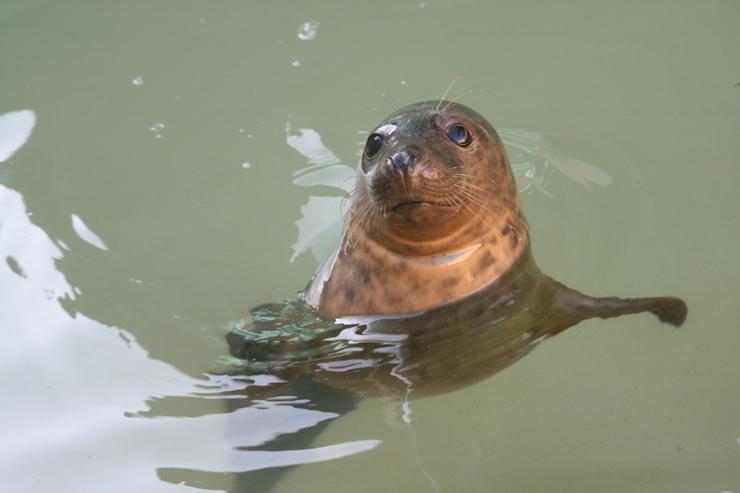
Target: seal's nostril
(401, 160)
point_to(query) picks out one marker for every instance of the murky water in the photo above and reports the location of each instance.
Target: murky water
(166, 166)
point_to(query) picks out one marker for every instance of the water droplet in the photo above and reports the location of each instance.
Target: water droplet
(307, 30)
(422, 5)
(135, 281)
(295, 63)
(138, 80)
(202, 20)
(246, 165)
(156, 129)
(241, 130)
(250, 136)
(403, 82)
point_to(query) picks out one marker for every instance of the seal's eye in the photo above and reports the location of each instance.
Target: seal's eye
(373, 145)
(459, 134)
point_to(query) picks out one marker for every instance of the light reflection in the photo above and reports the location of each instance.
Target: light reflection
(87, 234)
(308, 30)
(15, 130)
(157, 129)
(308, 143)
(76, 385)
(319, 226)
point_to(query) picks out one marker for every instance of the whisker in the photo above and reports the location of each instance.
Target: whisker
(353, 205)
(453, 100)
(460, 203)
(343, 203)
(465, 187)
(478, 187)
(477, 177)
(479, 202)
(356, 221)
(439, 103)
(466, 206)
(478, 198)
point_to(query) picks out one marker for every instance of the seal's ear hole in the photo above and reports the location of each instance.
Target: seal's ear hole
(373, 144)
(459, 134)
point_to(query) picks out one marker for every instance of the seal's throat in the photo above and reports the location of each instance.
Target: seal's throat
(365, 278)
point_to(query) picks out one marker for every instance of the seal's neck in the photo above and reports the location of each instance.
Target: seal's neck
(366, 278)
(473, 232)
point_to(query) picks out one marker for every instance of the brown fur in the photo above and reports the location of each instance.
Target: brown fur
(407, 260)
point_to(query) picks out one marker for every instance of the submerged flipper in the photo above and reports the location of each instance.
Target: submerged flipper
(668, 309)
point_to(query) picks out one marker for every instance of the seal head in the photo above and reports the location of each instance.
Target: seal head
(435, 216)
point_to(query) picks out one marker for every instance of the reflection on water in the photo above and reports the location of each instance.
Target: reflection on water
(99, 382)
(91, 374)
(87, 234)
(15, 129)
(440, 350)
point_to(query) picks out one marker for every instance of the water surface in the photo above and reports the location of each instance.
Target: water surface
(149, 194)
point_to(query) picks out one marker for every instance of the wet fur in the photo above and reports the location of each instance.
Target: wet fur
(391, 263)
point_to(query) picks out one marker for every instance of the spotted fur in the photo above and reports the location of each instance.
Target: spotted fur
(429, 233)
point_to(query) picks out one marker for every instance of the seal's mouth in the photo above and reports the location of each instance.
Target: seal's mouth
(412, 205)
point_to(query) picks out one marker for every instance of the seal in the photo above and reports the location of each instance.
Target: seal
(433, 285)
(435, 216)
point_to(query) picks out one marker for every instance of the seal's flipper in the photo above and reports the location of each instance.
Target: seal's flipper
(667, 309)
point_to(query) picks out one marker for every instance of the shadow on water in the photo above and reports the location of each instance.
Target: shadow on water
(286, 354)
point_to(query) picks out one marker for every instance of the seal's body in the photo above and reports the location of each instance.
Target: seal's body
(435, 216)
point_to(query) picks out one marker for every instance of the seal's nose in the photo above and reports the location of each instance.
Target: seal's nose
(401, 161)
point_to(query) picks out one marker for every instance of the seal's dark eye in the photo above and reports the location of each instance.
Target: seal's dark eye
(373, 145)
(459, 134)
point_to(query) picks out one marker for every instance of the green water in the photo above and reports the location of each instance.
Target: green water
(139, 119)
